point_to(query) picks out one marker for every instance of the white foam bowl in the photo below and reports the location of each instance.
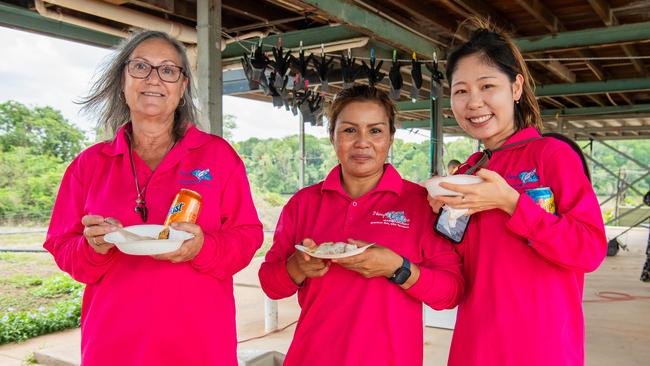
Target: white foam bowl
(433, 184)
(148, 247)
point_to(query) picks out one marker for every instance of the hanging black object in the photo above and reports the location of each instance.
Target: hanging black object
(248, 72)
(279, 95)
(374, 73)
(300, 64)
(299, 94)
(303, 105)
(322, 69)
(395, 78)
(416, 76)
(281, 63)
(436, 74)
(349, 70)
(259, 62)
(311, 108)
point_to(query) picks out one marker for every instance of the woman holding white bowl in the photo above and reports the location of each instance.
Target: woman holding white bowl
(524, 265)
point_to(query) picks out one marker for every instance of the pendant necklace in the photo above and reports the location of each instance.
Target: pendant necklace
(140, 203)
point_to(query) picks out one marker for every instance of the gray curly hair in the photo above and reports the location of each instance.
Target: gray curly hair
(106, 101)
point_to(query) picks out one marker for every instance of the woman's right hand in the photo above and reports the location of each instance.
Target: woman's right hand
(435, 204)
(95, 227)
(302, 266)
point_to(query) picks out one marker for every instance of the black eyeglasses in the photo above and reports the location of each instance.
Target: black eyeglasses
(141, 70)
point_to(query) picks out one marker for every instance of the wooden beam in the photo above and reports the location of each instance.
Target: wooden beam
(376, 26)
(453, 6)
(417, 10)
(560, 70)
(602, 9)
(625, 98)
(596, 100)
(539, 11)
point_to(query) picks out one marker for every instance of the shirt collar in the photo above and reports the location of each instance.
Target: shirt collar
(192, 139)
(390, 181)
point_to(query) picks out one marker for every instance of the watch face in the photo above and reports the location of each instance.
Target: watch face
(401, 275)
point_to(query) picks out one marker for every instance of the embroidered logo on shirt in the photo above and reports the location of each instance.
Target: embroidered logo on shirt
(202, 174)
(529, 177)
(392, 218)
(198, 176)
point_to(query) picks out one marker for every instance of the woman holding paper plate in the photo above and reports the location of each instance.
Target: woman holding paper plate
(364, 309)
(174, 308)
(524, 265)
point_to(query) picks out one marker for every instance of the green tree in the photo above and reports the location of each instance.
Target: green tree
(42, 130)
(28, 184)
(229, 125)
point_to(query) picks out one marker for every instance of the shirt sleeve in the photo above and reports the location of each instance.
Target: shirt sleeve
(229, 250)
(575, 238)
(274, 277)
(441, 283)
(65, 239)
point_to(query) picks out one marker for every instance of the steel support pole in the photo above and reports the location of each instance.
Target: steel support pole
(436, 134)
(301, 142)
(209, 72)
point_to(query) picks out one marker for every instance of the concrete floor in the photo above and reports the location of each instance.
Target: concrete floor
(618, 330)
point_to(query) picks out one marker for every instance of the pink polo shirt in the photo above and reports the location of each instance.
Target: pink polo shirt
(347, 319)
(137, 310)
(525, 272)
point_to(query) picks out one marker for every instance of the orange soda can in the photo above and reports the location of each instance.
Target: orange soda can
(185, 208)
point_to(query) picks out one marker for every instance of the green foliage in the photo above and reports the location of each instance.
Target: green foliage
(28, 184)
(56, 286)
(17, 326)
(42, 130)
(273, 164)
(606, 184)
(21, 281)
(274, 199)
(229, 124)
(35, 145)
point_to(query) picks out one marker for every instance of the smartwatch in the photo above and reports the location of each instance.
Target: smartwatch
(402, 274)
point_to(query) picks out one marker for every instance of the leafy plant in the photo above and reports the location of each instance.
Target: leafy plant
(17, 326)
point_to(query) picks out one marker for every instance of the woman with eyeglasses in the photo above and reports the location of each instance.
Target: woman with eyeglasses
(535, 227)
(170, 309)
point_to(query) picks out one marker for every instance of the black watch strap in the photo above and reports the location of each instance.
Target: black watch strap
(403, 273)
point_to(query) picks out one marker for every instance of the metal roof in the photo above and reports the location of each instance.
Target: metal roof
(589, 58)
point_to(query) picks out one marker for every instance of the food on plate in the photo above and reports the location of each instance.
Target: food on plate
(328, 248)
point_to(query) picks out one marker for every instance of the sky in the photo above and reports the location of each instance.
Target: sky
(37, 70)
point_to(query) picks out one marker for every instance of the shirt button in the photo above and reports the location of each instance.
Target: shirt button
(354, 204)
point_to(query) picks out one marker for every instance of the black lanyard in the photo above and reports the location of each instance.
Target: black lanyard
(487, 154)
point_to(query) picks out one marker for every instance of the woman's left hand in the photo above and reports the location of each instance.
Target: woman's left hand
(493, 192)
(373, 262)
(189, 249)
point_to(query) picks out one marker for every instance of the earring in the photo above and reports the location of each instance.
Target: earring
(517, 101)
(121, 95)
(183, 102)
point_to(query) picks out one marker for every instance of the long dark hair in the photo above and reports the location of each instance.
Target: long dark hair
(497, 48)
(575, 148)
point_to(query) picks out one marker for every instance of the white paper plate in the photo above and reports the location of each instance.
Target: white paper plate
(433, 184)
(332, 256)
(148, 247)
